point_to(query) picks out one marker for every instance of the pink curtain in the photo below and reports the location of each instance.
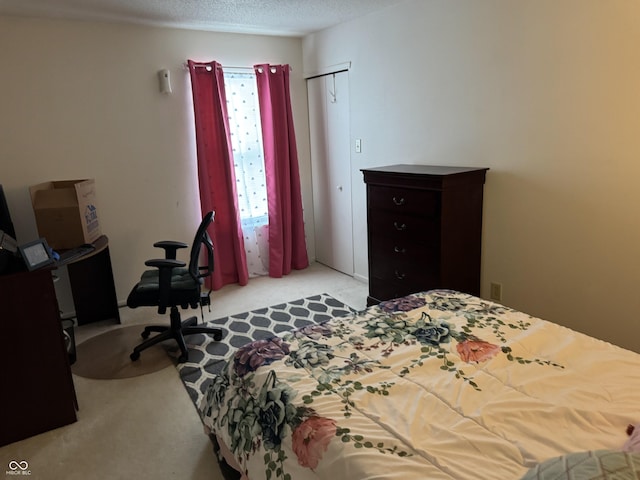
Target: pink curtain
(287, 246)
(216, 173)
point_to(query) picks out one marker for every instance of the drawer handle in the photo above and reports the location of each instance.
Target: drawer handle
(399, 249)
(398, 201)
(400, 227)
(399, 275)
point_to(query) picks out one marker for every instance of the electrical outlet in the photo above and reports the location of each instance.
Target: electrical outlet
(495, 292)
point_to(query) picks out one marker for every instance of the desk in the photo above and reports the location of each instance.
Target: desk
(37, 386)
(92, 287)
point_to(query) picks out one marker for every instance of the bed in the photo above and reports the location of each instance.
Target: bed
(438, 385)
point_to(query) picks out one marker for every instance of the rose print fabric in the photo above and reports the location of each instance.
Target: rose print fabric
(435, 385)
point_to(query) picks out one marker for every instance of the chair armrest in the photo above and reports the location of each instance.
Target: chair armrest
(170, 248)
(164, 263)
(165, 267)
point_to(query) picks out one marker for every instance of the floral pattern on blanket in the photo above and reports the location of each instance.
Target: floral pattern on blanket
(263, 404)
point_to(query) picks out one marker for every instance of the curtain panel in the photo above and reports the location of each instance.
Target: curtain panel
(287, 245)
(216, 173)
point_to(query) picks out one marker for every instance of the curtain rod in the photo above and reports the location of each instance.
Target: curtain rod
(230, 67)
(186, 65)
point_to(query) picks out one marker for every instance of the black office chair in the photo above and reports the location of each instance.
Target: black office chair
(171, 285)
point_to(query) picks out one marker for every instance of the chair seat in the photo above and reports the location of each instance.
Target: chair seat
(185, 290)
(180, 279)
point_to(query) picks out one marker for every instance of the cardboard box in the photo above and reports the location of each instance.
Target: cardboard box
(66, 213)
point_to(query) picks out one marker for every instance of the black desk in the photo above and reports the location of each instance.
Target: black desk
(92, 287)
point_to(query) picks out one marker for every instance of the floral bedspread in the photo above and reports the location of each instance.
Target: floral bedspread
(436, 385)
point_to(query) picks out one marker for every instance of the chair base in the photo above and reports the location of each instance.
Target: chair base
(177, 330)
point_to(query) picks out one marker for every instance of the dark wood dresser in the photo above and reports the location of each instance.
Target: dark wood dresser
(424, 229)
(37, 386)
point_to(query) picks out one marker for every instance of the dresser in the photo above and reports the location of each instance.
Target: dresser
(424, 229)
(37, 385)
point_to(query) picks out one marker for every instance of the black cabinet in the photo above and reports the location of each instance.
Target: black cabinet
(424, 229)
(92, 287)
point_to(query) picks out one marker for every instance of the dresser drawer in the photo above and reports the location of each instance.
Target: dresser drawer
(393, 249)
(403, 228)
(399, 265)
(386, 289)
(405, 200)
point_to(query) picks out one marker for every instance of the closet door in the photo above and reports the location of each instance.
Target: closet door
(328, 98)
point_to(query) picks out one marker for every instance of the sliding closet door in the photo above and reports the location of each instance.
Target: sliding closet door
(331, 170)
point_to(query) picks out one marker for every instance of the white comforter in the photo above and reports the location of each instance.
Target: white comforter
(438, 385)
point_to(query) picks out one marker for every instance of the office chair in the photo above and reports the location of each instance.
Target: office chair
(171, 285)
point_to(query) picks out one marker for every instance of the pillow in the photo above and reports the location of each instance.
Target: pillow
(591, 465)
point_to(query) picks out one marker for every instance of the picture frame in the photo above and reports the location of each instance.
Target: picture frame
(36, 254)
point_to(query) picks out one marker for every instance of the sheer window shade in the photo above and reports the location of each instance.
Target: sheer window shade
(246, 140)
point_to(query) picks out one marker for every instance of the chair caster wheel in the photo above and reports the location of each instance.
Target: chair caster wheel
(134, 356)
(217, 337)
(145, 334)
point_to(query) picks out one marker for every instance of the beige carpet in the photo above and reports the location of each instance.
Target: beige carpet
(106, 356)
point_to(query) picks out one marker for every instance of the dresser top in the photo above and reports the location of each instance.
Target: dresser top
(430, 177)
(433, 170)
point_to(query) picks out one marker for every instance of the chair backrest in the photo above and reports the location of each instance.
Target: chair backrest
(200, 240)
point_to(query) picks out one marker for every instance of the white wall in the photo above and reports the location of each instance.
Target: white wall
(546, 93)
(81, 100)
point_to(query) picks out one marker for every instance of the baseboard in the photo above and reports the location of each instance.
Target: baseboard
(361, 278)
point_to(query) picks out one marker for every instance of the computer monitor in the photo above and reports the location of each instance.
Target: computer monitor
(6, 225)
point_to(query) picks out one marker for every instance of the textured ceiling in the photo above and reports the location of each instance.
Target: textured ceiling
(272, 17)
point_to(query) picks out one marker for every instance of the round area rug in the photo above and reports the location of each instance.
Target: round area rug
(106, 356)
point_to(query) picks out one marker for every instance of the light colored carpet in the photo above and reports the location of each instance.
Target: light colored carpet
(146, 427)
(106, 356)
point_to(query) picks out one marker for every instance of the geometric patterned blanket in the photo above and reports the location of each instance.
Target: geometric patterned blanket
(206, 356)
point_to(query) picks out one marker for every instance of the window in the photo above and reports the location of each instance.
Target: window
(248, 159)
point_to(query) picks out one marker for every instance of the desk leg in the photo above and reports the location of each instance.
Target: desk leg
(93, 290)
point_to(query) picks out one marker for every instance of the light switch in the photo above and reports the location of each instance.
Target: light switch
(358, 145)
